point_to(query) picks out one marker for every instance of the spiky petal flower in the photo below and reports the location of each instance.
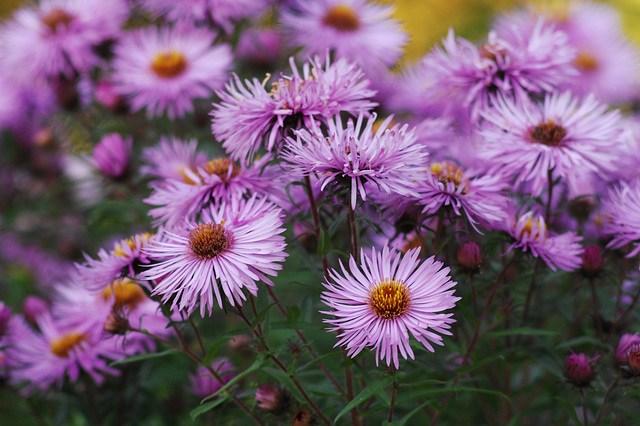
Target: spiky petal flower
(167, 68)
(171, 158)
(236, 245)
(387, 297)
(564, 135)
(622, 211)
(355, 156)
(530, 233)
(322, 90)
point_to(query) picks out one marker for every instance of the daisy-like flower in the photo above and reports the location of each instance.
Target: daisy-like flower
(236, 245)
(41, 360)
(246, 114)
(166, 68)
(127, 254)
(622, 212)
(355, 156)
(387, 297)
(530, 233)
(563, 135)
(462, 73)
(171, 158)
(216, 180)
(58, 37)
(479, 198)
(354, 29)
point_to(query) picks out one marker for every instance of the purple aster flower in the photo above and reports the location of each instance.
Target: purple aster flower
(479, 197)
(354, 156)
(563, 135)
(462, 73)
(607, 63)
(58, 37)
(42, 360)
(171, 158)
(33, 307)
(126, 255)
(626, 344)
(167, 68)
(112, 154)
(622, 211)
(580, 369)
(354, 29)
(204, 384)
(386, 297)
(236, 245)
(216, 180)
(530, 232)
(246, 115)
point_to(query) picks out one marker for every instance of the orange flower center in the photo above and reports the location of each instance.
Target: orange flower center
(56, 18)
(389, 299)
(549, 134)
(209, 240)
(126, 293)
(528, 229)
(131, 242)
(342, 18)
(169, 64)
(586, 62)
(66, 343)
(445, 173)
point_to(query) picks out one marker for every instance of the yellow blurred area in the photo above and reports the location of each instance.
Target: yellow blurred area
(429, 20)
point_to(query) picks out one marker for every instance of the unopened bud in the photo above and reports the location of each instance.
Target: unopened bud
(273, 399)
(469, 257)
(591, 261)
(580, 369)
(116, 324)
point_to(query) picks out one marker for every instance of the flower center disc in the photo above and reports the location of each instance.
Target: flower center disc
(389, 299)
(549, 134)
(66, 343)
(528, 229)
(169, 64)
(449, 173)
(585, 62)
(55, 18)
(209, 240)
(342, 18)
(126, 293)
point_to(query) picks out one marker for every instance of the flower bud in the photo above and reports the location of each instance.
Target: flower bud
(111, 155)
(33, 307)
(302, 417)
(591, 261)
(634, 360)
(272, 398)
(241, 343)
(580, 369)
(469, 257)
(116, 324)
(580, 208)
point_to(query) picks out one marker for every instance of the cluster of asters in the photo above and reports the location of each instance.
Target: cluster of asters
(514, 135)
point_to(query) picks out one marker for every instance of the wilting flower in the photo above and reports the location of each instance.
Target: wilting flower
(58, 37)
(247, 114)
(387, 297)
(203, 383)
(236, 245)
(356, 157)
(272, 398)
(564, 136)
(627, 342)
(531, 234)
(581, 370)
(622, 211)
(354, 29)
(112, 153)
(167, 68)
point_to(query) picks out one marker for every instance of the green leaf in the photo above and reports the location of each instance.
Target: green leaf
(324, 243)
(318, 360)
(408, 397)
(522, 331)
(206, 407)
(214, 348)
(479, 364)
(293, 325)
(366, 393)
(582, 340)
(258, 363)
(261, 315)
(406, 418)
(142, 357)
(569, 409)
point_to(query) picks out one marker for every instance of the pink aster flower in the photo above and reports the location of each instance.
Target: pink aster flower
(58, 37)
(622, 212)
(462, 73)
(171, 158)
(564, 135)
(112, 153)
(126, 256)
(167, 68)
(236, 245)
(41, 360)
(354, 29)
(216, 180)
(355, 156)
(626, 344)
(387, 297)
(580, 369)
(247, 114)
(478, 197)
(204, 384)
(530, 233)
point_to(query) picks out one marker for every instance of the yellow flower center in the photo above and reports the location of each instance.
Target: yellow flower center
(126, 293)
(528, 229)
(445, 173)
(586, 62)
(66, 343)
(219, 166)
(209, 240)
(389, 299)
(169, 64)
(56, 18)
(131, 242)
(549, 134)
(342, 18)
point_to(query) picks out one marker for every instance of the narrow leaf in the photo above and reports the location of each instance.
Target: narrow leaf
(206, 407)
(142, 357)
(366, 393)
